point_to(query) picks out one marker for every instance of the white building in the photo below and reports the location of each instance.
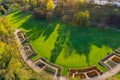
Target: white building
(103, 2)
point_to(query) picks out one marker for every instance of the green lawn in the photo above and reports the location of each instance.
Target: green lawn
(65, 45)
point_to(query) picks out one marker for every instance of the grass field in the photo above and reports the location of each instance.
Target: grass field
(65, 45)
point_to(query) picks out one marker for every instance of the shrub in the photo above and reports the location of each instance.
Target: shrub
(2, 10)
(24, 8)
(81, 18)
(16, 5)
(6, 6)
(66, 19)
(39, 14)
(49, 16)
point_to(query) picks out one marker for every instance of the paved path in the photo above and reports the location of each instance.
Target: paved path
(29, 62)
(104, 76)
(108, 74)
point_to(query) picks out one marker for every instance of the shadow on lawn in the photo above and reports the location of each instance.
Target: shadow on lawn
(18, 16)
(69, 38)
(80, 39)
(38, 28)
(58, 46)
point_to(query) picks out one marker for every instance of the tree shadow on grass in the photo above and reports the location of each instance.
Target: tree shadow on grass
(18, 16)
(68, 37)
(59, 43)
(38, 28)
(34, 28)
(75, 38)
(81, 39)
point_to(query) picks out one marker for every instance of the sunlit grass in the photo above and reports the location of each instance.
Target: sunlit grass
(82, 47)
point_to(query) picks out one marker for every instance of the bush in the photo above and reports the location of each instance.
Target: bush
(66, 19)
(6, 6)
(39, 14)
(2, 10)
(17, 6)
(24, 8)
(81, 18)
(49, 16)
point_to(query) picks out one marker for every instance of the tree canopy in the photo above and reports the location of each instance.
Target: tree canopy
(50, 5)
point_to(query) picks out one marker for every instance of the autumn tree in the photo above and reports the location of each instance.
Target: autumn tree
(12, 66)
(5, 29)
(50, 5)
(81, 18)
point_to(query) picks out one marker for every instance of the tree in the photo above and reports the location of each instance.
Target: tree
(2, 9)
(5, 29)
(12, 67)
(81, 18)
(82, 2)
(50, 5)
(5, 55)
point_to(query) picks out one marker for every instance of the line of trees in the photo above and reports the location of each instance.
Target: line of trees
(12, 67)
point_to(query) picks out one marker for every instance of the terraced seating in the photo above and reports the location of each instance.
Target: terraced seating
(40, 64)
(54, 68)
(110, 61)
(90, 72)
(22, 37)
(116, 59)
(80, 76)
(51, 64)
(29, 51)
(50, 70)
(107, 57)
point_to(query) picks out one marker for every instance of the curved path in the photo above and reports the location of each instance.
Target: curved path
(104, 76)
(108, 74)
(29, 62)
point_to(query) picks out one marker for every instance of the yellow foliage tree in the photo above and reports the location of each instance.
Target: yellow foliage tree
(82, 1)
(5, 27)
(82, 18)
(50, 5)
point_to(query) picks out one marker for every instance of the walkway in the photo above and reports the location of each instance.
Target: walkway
(108, 74)
(30, 63)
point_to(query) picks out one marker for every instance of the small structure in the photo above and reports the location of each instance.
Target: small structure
(22, 37)
(85, 73)
(48, 67)
(110, 61)
(29, 51)
(40, 63)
